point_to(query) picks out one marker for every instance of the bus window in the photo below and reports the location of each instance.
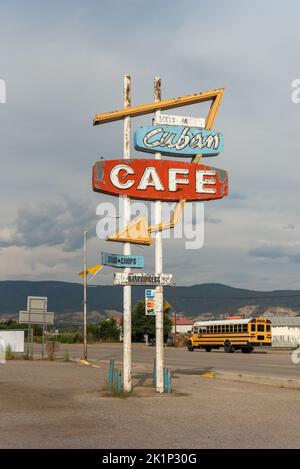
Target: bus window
(223, 328)
(245, 327)
(195, 330)
(219, 329)
(253, 327)
(231, 328)
(240, 328)
(227, 328)
(268, 327)
(260, 327)
(235, 328)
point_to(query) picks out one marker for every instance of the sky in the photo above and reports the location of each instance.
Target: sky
(64, 61)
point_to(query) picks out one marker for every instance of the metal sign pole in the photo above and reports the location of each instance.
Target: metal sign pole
(84, 298)
(127, 251)
(158, 270)
(175, 315)
(43, 339)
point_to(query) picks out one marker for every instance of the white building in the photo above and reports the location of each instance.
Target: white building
(285, 331)
(13, 338)
(183, 325)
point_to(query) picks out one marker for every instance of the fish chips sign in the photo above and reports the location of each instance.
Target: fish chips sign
(159, 180)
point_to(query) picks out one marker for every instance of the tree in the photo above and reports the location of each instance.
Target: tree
(109, 330)
(142, 324)
(93, 331)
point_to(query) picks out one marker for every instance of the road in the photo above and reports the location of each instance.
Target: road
(277, 364)
(45, 404)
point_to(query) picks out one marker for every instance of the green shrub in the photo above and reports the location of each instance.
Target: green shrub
(9, 353)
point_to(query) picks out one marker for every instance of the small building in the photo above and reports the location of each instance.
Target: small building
(183, 325)
(285, 331)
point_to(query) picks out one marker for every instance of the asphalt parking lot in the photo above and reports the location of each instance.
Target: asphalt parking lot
(262, 362)
(62, 405)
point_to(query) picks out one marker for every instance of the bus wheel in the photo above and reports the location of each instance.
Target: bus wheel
(228, 348)
(190, 347)
(207, 349)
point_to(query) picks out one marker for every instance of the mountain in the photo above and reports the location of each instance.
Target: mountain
(209, 300)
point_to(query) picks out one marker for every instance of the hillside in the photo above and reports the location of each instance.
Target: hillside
(197, 301)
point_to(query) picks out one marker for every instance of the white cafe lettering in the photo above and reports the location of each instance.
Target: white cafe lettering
(160, 138)
(150, 178)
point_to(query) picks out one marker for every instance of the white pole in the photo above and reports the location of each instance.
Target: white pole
(158, 270)
(84, 298)
(127, 251)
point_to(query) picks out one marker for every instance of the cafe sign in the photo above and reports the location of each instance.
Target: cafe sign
(178, 140)
(159, 180)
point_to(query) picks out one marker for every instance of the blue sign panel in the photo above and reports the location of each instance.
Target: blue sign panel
(150, 302)
(178, 140)
(118, 260)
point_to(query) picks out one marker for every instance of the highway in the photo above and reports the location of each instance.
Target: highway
(270, 363)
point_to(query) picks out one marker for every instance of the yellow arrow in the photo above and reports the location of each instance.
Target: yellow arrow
(136, 232)
(91, 270)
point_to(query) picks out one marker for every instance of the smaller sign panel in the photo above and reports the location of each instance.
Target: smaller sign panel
(119, 260)
(178, 140)
(167, 119)
(31, 317)
(37, 303)
(143, 279)
(150, 302)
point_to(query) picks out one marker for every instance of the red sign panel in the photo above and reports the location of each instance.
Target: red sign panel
(159, 180)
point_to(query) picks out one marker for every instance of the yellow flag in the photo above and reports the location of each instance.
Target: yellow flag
(91, 270)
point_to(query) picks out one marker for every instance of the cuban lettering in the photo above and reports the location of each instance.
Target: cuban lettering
(158, 137)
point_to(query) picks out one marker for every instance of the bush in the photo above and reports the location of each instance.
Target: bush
(68, 338)
(109, 330)
(9, 353)
(142, 324)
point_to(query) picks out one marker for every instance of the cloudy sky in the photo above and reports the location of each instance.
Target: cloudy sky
(63, 61)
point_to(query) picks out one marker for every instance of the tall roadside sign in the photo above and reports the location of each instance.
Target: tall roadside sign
(158, 180)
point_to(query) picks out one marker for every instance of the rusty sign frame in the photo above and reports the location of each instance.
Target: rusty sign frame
(133, 111)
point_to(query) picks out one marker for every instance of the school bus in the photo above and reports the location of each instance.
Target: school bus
(232, 334)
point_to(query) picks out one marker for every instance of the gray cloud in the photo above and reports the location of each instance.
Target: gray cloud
(210, 219)
(64, 65)
(49, 224)
(274, 253)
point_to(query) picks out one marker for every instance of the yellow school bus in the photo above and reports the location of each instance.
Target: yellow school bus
(232, 334)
